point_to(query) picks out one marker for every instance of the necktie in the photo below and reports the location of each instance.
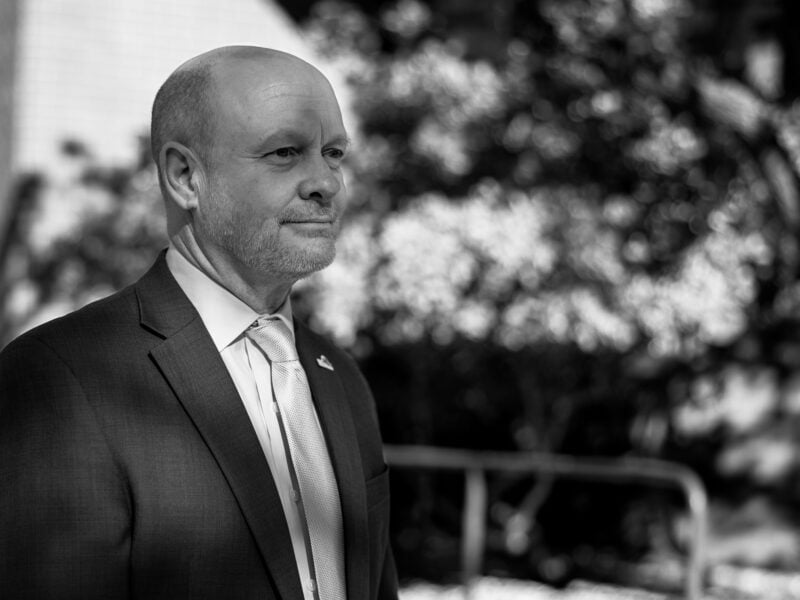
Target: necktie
(308, 459)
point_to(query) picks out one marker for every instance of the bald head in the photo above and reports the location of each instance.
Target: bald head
(249, 144)
(186, 105)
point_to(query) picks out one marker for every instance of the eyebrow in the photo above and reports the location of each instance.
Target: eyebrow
(292, 135)
(344, 140)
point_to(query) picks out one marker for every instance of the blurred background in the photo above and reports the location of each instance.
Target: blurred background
(573, 230)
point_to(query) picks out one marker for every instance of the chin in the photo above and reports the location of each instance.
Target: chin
(298, 263)
(316, 263)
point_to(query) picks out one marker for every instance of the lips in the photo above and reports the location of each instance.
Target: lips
(320, 221)
(301, 220)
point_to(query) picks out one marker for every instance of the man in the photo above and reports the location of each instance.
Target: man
(155, 444)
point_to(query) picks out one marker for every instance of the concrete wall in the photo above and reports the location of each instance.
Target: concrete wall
(88, 69)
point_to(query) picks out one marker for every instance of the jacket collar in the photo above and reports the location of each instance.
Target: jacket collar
(191, 363)
(333, 408)
(163, 307)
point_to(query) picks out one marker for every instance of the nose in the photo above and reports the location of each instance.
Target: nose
(322, 182)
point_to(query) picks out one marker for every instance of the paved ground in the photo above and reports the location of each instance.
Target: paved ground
(724, 583)
(509, 589)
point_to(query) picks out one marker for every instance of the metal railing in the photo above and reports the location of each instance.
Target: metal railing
(475, 465)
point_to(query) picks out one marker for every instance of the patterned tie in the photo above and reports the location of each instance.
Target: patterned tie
(319, 496)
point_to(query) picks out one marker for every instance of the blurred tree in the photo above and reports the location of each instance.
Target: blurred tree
(569, 217)
(573, 229)
(79, 234)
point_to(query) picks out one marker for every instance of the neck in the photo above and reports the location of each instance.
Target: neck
(264, 297)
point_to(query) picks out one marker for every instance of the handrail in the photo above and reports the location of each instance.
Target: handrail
(475, 464)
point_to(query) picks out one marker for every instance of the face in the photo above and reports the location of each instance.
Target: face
(275, 192)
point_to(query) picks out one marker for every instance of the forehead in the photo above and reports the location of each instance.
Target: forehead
(254, 99)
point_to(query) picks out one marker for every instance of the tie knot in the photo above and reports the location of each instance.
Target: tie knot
(275, 338)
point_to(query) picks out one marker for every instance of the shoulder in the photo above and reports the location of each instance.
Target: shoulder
(64, 370)
(76, 333)
(325, 349)
(355, 386)
(103, 323)
(89, 346)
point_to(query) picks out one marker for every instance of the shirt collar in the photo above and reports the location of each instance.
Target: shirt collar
(224, 315)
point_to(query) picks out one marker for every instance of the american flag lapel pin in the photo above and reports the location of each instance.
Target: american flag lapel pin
(323, 362)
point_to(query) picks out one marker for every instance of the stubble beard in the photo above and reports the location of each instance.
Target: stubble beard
(262, 252)
(268, 257)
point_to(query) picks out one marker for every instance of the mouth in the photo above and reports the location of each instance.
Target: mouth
(309, 220)
(326, 227)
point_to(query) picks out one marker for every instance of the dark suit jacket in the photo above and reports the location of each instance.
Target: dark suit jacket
(129, 467)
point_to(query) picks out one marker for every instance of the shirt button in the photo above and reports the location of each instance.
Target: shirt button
(295, 496)
(312, 585)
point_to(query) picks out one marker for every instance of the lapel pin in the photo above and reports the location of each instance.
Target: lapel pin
(323, 362)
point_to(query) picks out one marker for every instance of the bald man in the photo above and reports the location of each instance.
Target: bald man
(186, 437)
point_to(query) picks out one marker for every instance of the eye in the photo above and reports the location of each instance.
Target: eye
(334, 156)
(283, 155)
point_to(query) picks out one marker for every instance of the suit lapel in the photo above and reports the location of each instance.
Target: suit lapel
(190, 362)
(333, 409)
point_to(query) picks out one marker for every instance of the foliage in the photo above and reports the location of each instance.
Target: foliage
(573, 228)
(79, 234)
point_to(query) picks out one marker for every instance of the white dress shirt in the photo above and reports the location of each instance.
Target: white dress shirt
(227, 318)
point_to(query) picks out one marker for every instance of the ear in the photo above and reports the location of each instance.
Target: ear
(182, 175)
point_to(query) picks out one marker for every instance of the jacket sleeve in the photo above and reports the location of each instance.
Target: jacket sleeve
(64, 509)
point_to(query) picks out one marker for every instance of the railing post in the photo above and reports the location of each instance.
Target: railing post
(476, 464)
(697, 501)
(473, 537)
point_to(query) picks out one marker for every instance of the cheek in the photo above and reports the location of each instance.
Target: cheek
(252, 198)
(266, 196)
(341, 198)
(211, 213)
(247, 202)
